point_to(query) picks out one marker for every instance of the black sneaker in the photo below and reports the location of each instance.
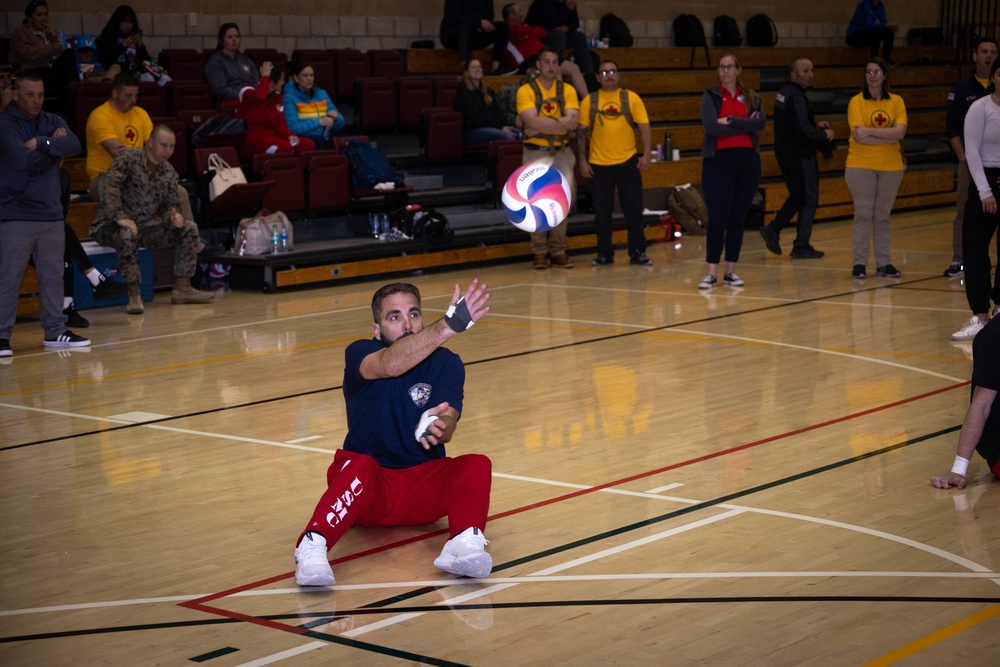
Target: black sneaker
(602, 260)
(770, 236)
(639, 259)
(108, 289)
(67, 339)
(5, 350)
(859, 272)
(805, 253)
(75, 319)
(954, 269)
(887, 271)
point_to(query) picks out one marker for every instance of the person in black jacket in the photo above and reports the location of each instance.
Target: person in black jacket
(468, 25)
(797, 136)
(560, 18)
(120, 43)
(484, 119)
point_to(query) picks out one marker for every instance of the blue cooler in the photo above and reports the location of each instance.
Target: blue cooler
(105, 260)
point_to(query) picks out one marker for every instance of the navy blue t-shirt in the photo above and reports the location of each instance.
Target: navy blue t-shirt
(383, 414)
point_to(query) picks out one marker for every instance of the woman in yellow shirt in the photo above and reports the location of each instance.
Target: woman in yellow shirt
(874, 170)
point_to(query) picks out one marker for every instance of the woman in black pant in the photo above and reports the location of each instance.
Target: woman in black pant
(730, 172)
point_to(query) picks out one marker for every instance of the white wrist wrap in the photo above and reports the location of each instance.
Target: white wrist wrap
(424, 425)
(960, 466)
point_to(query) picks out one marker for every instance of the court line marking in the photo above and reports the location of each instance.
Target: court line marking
(666, 487)
(935, 637)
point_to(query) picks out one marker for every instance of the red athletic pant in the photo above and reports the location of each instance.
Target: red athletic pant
(360, 491)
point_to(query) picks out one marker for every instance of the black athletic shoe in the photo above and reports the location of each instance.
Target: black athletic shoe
(5, 350)
(108, 289)
(770, 236)
(887, 271)
(859, 272)
(66, 339)
(805, 253)
(954, 269)
(639, 259)
(75, 319)
(602, 260)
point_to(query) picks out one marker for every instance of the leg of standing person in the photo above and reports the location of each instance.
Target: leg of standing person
(717, 184)
(602, 192)
(564, 160)
(629, 182)
(961, 197)
(861, 183)
(745, 173)
(17, 241)
(793, 177)
(887, 185)
(807, 212)
(978, 230)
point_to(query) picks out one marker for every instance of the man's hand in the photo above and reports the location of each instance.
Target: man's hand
(439, 430)
(950, 481)
(473, 306)
(176, 218)
(129, 225)
(829, 134)
(644, 161)
(585, 169)
(31, 144)
(487, 26)
(60, 132)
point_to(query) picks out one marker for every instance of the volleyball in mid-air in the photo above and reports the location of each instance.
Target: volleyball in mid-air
(536, 197)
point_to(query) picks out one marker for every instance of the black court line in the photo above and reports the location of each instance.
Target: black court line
(486, 360)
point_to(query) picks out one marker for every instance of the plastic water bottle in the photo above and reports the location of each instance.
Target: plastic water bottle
(384, 225)
(275, 240)
(243, 242)
(283, 238)
(668, 147)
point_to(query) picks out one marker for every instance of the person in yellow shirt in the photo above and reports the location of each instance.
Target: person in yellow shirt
(607, 153)
(549, 111)
(116, 126)
(874, 168)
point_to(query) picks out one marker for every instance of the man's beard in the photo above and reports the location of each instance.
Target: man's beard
(386, 342)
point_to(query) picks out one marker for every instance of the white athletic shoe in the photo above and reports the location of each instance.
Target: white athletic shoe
(969, 329)
(465, 555)
(311, 565)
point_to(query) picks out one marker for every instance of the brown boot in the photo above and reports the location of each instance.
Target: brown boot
(185, 293)
(562, 260)
(134, 306)
(540, 262)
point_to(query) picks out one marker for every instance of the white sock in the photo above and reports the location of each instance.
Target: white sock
(67, 302)
(94, 276)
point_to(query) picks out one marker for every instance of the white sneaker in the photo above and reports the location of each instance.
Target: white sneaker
(311, 565)
(969, 329)
(733, 280)
(708, 282)
(465, 555)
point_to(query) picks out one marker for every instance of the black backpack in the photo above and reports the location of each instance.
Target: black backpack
(688, 31)
(615, 31)
(761, 31)
(369, 166)
(726, 32)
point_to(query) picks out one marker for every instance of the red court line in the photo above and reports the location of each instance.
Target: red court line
(199, 606)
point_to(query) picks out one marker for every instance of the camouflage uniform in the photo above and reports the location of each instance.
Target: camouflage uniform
(129, 190)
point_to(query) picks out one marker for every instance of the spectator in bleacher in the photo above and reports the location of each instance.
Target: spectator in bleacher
(730, 169)
(37, 45)
(960, 99)
(872, 28)
(264, 111)
(5, 90)
(982, 144)
(484, 120)
(797, 137)
(607, 154)
(309, 111)
(228, 70)
(549, 111)
(117, 126)
(87, 66)
(561, 20)
(468, 25)
(140, 184)
(120, 43)
(874, 168)
(527, 41)
(32, 144)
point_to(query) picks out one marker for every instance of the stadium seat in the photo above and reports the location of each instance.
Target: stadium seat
(193, 118)
(414, 95)
(328, 180)
(444, 91)
(187, 95)
(289, 191)
(239, 201)
(86, 98)
(504, 157)
(351, 65)
(153, 98)
(442, 131)
(375, 103)
(184, 64)
(388, 64)
(259, 56)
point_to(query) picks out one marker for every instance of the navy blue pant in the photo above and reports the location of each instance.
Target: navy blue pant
(978, 230)
(730, 180)
(627, 178)
(802, 178)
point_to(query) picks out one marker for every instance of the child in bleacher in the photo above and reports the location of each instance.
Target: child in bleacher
(87, 67)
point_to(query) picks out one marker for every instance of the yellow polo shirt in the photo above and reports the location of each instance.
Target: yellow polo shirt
(612, 139)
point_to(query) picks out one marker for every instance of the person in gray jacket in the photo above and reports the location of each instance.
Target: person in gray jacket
(228, 69)
(32, 143)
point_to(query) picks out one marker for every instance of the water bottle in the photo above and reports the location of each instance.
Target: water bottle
(384, 225)
(668, 146)
(243, 242)
(372, 226)
(275, 246)
(283, 238)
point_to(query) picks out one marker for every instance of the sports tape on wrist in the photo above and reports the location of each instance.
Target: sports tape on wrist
(458, 318)
(961, 466)
(424, 425)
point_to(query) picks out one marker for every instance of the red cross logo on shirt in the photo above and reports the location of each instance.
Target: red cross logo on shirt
(130, 135)
(612, 109)
(549, 107)
(879, 119)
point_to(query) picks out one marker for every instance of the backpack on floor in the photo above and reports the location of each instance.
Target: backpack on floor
(615, 30)
(688, 206)
(369, 166)
(725, 31)
(761, 31)
(688, 31)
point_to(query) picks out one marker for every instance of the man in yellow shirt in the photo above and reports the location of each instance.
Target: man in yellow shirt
(609, 158)
(549, 110)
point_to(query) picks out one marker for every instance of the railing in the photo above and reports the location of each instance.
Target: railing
(965, 21)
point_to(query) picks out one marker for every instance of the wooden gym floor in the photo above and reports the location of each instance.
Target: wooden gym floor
(731, 478)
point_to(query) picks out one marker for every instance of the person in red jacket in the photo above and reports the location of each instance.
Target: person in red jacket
(263, 110)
